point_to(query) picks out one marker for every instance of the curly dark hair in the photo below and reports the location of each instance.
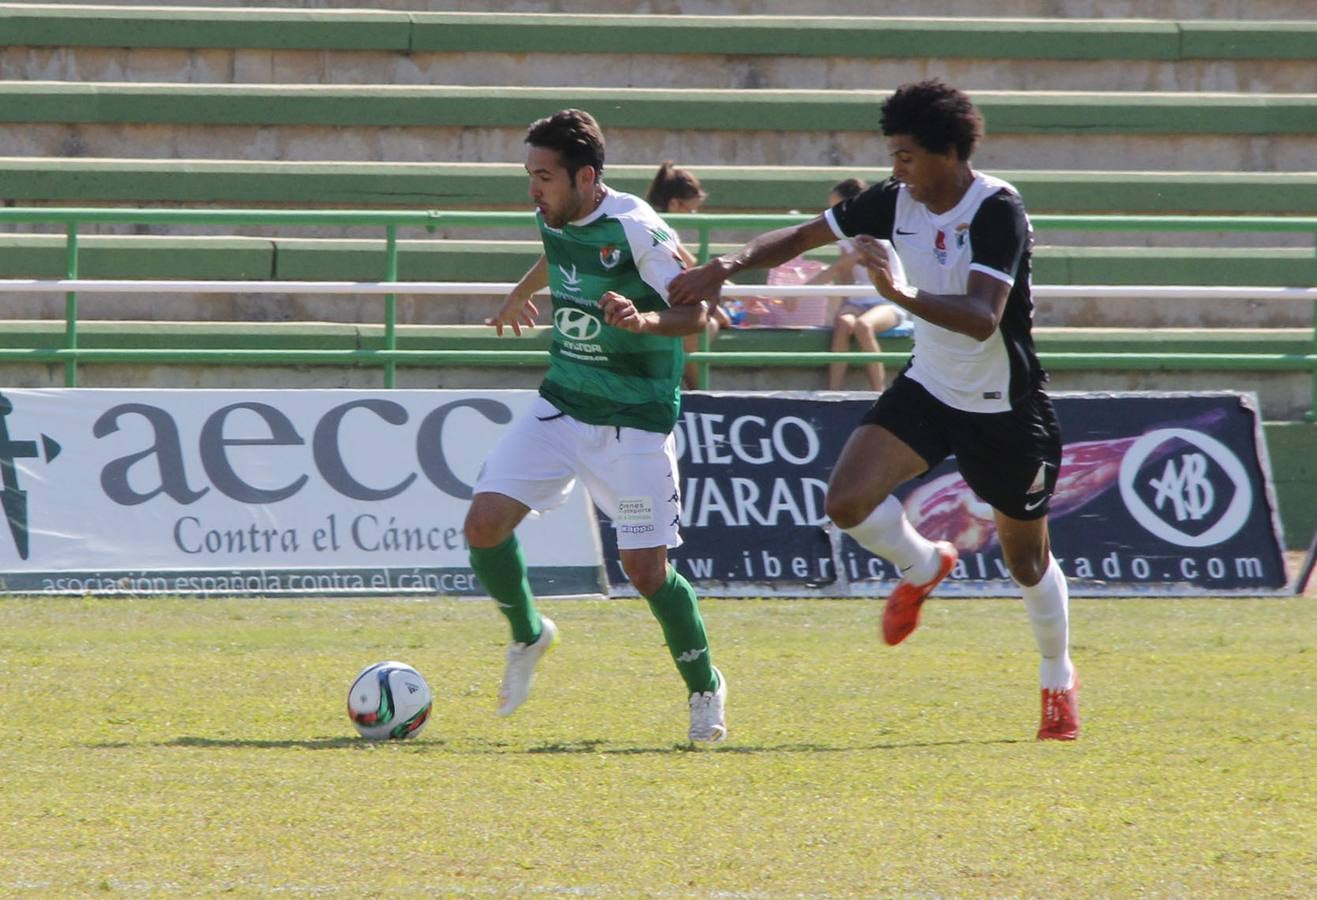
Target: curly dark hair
(937, 115)
(576, 137)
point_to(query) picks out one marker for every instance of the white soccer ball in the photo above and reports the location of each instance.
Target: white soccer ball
(389, 701)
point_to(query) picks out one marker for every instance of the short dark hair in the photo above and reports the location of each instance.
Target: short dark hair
(936, 115)
(849, 188)
(576, 137)
(671, 182)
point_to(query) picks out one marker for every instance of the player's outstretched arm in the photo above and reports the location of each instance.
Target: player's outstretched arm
(676, 321)
(773, 248)
(518, 309)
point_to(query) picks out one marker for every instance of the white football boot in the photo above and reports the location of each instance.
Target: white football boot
(708, 723)
(520, 668)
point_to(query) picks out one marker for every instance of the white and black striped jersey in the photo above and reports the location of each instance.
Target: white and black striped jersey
(988, 231)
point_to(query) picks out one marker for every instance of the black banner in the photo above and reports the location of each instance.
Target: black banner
(1158, 494)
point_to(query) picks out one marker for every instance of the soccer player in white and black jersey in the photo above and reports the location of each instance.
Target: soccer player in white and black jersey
(973, 386)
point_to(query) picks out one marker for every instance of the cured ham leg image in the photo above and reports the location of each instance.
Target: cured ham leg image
(946, 509)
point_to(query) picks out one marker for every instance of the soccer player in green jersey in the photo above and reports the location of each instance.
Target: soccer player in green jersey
(605, 412)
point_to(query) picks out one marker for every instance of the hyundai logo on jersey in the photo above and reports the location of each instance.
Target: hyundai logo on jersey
(576, 324)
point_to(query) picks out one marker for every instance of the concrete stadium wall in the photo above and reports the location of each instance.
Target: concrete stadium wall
(442, 185)
(1240, 132)
(765, 52)
(1104, 9)
(260, 66)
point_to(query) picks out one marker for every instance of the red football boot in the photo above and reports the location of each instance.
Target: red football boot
(901, 615)
(1060, 713)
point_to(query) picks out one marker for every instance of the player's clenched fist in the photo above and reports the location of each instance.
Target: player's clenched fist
(620, 312)
(873, 256)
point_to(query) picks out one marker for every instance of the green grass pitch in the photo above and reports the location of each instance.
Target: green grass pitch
(185, 746)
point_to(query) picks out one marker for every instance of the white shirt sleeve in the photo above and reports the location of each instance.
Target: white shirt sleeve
(654, 249)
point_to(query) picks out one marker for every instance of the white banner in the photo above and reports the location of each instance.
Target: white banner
(263, 492)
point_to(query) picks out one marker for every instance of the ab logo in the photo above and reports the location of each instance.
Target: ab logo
(1192, 496)
(576, 324)
(12, 497)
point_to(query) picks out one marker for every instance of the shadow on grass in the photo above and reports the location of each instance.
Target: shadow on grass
(325, 743)
(601, 746)
(590, 746)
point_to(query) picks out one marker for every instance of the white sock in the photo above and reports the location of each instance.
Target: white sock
(888, 533)
(1048, 605)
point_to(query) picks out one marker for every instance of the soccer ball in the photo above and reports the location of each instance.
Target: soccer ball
(389, 701)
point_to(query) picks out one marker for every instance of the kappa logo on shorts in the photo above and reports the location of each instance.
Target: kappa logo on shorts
(576, 324)
(634, 511)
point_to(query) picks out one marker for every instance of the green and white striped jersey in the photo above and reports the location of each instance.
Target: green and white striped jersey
(599, 374)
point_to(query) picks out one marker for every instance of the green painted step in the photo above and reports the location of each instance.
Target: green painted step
(816, 36)
(503, 186)
(1006, 112)
(331, 336)
(42, 256)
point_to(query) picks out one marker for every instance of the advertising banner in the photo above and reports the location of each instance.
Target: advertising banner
(1158, 494)
(262, 492)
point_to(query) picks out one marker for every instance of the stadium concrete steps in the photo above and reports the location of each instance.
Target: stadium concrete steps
(28, 181)
(475, 260)
(1063, 129)
(126, 334)
(256, 258)
(1215, 96)
(1063, 9)
(362, 46)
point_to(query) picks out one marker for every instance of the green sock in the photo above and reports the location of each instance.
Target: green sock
(502, 572)
(677, 610)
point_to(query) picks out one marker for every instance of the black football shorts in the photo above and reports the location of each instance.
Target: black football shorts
(1010, 459)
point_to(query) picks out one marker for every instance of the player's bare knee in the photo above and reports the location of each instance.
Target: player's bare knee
(646, 573)
(1026, 568)
(482, 529)
(846, 509)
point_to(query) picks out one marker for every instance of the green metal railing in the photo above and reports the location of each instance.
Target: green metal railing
(390, 357)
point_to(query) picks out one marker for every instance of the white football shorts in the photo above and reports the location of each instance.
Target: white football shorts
(631, 474)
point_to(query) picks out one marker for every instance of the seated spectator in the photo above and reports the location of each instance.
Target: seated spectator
(862, 318)
(793, 312)
(677, 190)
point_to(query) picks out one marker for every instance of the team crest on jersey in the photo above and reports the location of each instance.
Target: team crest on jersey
(610, 256)
(940, 247)
(962, 234)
